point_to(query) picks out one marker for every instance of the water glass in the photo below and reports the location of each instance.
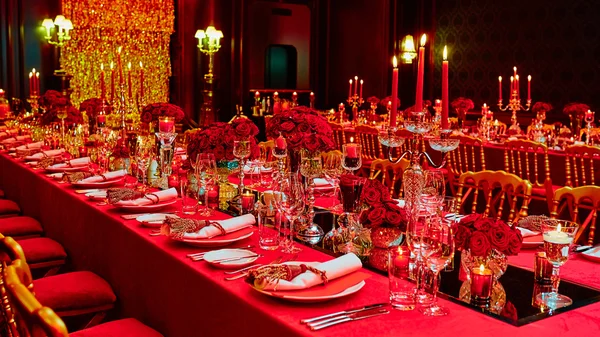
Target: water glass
(189, 197)
(402, 291)
(268, 227)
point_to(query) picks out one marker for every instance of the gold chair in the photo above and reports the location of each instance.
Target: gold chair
(332, 158)
(581, 165)
(339, 135)
(389, 174)
(266, 150)
(500, 127)
(468, 156)
(368, 138)
(508, 187)
(529, 160)
(583, 197)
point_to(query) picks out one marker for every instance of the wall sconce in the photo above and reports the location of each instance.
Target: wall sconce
(408, 50)
(64, 26)
(209, 43)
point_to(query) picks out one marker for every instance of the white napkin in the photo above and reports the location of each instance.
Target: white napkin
(79, 162)
(526, 232)
(333, 269)
(163, 196)
(49, 153)
(15, 139)
(109, 176)
(252, 168)
(320, 182)
(30, 146)
(229, 225)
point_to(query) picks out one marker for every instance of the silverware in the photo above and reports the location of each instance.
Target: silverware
(276, 261)
(348, 318)
(229, 259)
(243, 269)
(343, 312)
(582, 249)
(202, 253)
(133, 216)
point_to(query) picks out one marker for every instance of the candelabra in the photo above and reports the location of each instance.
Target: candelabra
(355, 101)
(514, 105)
(209, 44)
(62, 37)
(33, 102)
(589, 119)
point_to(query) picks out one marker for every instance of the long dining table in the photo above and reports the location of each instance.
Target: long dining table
(157, 284)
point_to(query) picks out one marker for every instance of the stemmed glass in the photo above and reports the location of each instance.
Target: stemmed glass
(437, 249)
(332, 170)
(435, 186)
(289, 200)
(62, 114)
(352, 156)
(558, 237)
(242, 151)
(206, 171)
(143, 156)
(415, 231)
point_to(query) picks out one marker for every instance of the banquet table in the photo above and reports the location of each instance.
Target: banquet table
(157, 284)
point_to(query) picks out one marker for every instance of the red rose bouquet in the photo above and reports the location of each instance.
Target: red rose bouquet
(51, 99)
(541, 107)
(382, 210)
(462, 103)
(373, 100)
(480, 235)
(93, 106)
(152, 112)
(74, 116)
(218, 138)
(303, 128)
(576, 110)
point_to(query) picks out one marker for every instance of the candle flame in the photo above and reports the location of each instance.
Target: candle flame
(499, 78)
(129, 65)
(119, 50)
(529, 78)
(351, 139)
(33, 70)
(512, 78)
(350, 81)
(361, 82)
(102, 66)
(257, 93)
(30, 74)
(276, 93)
(356, 78)
(515, 69)
(517, 77)
(400, 251)
(445, 54)
(558, 228)
(312, 93)
(295, 93)
(423, 40)
(481, 268)
(395, 62)
(484, 105)
(37, 75)
(112, 65)
(141, 65)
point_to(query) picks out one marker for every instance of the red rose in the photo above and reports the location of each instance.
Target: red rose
(484, 225)
(311, 143)
(479, 244)
(146, 117)
(462, 234)
(219, 152)
(243, 130)
(393, 218)
(376, 216)
(364, 217)
(298, 117)
(514, 242)
(372, 196)
(509, 311)
(499, 237)
(287, 126)
(469, 220)
(303, 127)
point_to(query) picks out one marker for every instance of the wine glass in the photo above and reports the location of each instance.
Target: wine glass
(332, 170)
(558, 237)
(242, 150)
(143, 156)
(437, 249)
(206, 170)
(62, 114)
(289, 199)
(415, 231)
(435, 187)
(352, 156)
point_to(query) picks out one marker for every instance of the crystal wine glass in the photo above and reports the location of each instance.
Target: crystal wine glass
(289, 199)
(352, 156)
(558, 237)
(435, 186)
(437, 249)
(332, 170)
(206, 170)
(242, 151)
(143, 156)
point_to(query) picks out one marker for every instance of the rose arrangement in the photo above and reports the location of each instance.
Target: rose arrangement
(576, 109)
(480, 235)
(218, 139)
(303, 129)
(373, 100)
(462, 103)
(120, 150)
(541, 107)
(152, 112)
(93, 106)
(52, 98)
(74, 116)
(382, 210)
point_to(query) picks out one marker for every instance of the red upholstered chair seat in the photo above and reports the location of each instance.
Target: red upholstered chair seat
(128, 327)
(20, 226)
(71, 292)
(39, 250)
(9, 208)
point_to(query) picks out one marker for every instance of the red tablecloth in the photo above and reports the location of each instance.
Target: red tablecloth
(158, 285)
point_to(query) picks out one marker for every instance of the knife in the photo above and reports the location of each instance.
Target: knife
(344, 312)
(348, 318)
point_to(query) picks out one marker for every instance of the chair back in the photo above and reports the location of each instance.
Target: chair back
(31, 318)
(583, 197)
(498, 187)
(332, 158)
(368, 138)
(339, 134)
(582, 165)
(528, 160)
(11, 250)
(389, 174)
(266, 150)
(468, 156)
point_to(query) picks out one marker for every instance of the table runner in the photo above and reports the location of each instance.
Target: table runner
(158, 285)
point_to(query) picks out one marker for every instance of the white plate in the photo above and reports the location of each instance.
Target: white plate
(221, 240)
(592, 254)
(220, 254)
(97, 196)
(146, 208)
(154, 220)
(67, 169)
(101, 184)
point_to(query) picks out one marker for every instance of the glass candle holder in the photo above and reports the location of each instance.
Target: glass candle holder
(247, 202)
(212, 195)
(542, 268)
(166, 124)
(481, 285)
(402, 291)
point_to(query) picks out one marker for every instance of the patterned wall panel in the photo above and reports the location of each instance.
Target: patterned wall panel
(557, 42)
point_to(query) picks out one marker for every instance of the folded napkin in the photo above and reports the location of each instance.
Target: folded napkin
(302, 276)
(79, 162)
(15, 139)
(43, 154)
(104, 177)
(151, 198)
(527, 233)
(320, 182)
(205, 229)
(30, 146)
(71, 177)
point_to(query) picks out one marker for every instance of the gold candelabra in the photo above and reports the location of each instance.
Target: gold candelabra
(514, 103)
(209, 43)
(355, 101)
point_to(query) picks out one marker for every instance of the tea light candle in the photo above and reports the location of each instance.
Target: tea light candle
(101, 120)
(481, 283)
(247, 201)
(402, 260)
(166, 125)
(542, 268)
(280, 143)
(351, 149)
(213, 196)
(589, 115)
(83, 152)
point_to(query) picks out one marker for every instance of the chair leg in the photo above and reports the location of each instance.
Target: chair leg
(97, 319)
